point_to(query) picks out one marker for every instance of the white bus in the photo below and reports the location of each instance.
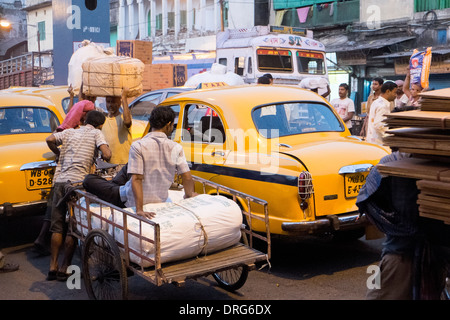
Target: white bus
(250, 53)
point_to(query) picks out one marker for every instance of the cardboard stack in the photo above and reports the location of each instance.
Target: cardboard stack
(164, 75)
(425, 134)
(155, 76)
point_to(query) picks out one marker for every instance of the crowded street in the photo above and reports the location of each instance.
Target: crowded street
(301, 269)
(225, 157)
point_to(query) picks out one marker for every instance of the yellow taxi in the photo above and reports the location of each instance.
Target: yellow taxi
(281, 144)
(26, 163)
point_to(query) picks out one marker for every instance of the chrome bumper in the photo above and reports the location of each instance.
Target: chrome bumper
(327, 223)
(24, 208)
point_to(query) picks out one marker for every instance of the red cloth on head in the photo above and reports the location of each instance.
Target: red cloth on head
(75, 114)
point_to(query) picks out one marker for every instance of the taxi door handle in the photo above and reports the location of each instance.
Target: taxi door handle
(218, 153)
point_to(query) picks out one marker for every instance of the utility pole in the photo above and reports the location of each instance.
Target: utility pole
(221, 15)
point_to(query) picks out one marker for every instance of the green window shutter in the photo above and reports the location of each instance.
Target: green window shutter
(41, 28)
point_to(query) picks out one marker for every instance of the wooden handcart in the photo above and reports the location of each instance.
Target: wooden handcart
(106, 262)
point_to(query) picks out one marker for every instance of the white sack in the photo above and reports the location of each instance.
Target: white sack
(96, 222)
(188, 227)
(89, 51)
(216, 74)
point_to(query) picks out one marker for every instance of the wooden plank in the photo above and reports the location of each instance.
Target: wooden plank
(415, 168)
(424, 151)
(203, 265)
(431, 215)
(421, 133)
(418, 118)
(433, 186)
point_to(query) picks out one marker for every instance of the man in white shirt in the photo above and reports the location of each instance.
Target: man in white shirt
(401, 99)
(344, 105)
(376, 128)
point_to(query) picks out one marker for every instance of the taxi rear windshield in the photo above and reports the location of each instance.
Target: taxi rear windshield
(274, 60)
(25, 119)
(286, 119)
(310, 62)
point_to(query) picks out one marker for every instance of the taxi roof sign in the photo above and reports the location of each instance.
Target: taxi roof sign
(205, 85)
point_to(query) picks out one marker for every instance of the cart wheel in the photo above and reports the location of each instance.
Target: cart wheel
(231, 279)
(104, 271)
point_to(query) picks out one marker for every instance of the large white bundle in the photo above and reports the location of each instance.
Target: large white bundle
(96, 222)
(107, 76)
(88, 51)
(216, 74)
(188, 227)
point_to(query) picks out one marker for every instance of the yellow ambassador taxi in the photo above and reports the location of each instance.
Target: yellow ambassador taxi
(281, 144)
(26, 163)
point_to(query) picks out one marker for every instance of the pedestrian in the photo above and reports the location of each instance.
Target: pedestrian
(269, 76)
(79, 148)
(402, 99)
(315, 84)
(390, 203)
(376, 128)
(153, 163)
(374, 94)
(75, 117)
(7, 266)
(412, 91)
(344, 106)
(117, 128)
(77, 112)
(264, 80)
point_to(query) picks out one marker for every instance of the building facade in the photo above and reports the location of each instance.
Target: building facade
(13, 41)
(373, 38)
(39, 25)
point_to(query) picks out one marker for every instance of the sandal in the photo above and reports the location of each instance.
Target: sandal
(51, 275)
(9, 267)
(61, 276)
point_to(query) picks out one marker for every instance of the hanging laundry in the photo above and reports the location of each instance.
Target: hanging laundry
(331, 9)
(279, 17)
(303, 14)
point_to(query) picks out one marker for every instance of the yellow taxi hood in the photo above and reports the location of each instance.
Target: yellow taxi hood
(20, 149)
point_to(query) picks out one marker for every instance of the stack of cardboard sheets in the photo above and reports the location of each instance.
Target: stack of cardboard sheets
(425, 134)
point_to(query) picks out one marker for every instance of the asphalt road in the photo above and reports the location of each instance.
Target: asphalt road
(300, 269)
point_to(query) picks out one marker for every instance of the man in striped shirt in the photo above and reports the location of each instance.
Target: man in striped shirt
(152, 164)
(79, 148)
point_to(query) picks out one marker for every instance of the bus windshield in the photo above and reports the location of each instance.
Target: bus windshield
(310, 62)
(274, 60)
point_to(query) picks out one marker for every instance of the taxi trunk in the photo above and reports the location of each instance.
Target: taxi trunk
(339, 177)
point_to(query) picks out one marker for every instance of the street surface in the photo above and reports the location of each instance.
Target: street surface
(301, 269)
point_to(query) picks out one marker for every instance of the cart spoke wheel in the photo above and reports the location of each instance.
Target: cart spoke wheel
(103, 268)
(232, 279)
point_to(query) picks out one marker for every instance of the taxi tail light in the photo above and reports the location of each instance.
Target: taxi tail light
(305, 188)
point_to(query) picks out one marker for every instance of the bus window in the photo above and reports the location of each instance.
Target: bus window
(274, 60)
(310, 62)
(239, 65)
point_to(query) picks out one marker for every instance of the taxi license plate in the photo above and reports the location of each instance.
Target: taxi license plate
(353, 183)
(39, 178)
